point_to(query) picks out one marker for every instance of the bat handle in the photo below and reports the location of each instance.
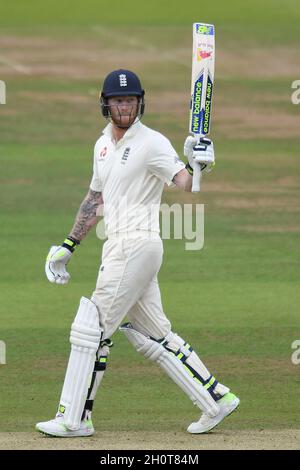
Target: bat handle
(196, 178)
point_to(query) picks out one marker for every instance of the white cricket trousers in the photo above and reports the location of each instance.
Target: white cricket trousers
(127, 285)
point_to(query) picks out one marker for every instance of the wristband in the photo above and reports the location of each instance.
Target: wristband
(70, 243)
(189, 169)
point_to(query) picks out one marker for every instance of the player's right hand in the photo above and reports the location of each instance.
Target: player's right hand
(188, 148)
(56, 262)
(201, 152)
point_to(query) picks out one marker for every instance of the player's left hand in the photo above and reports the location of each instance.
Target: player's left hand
(201, 151)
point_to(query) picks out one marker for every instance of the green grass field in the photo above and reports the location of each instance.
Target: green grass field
(237, 300)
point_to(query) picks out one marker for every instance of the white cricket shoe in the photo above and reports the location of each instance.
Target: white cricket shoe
(56, 427)
(228, 403)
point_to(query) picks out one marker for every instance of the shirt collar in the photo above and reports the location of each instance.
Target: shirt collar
(131, 132)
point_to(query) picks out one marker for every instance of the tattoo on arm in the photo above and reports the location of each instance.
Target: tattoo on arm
(87, 215)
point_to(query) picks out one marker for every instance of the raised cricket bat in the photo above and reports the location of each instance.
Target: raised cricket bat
(203, 64)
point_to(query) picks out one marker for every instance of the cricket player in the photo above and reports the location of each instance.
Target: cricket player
(131, 165)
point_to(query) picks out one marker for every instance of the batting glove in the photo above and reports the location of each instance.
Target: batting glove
(57, 259)
(201, 152)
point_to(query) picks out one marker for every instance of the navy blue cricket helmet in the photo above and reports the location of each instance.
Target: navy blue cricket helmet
(121, 83)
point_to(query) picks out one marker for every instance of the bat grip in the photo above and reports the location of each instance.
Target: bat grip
(196, 178)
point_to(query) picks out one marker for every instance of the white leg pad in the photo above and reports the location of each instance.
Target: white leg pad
(85, 339)
(176, 343)
(155, 351)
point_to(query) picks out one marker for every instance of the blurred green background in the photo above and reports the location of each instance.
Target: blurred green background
(237, 300)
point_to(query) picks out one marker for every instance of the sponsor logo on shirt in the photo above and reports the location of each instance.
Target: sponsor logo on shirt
(125, 155)
(102, 153)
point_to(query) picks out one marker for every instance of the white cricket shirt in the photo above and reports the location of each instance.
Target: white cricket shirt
(131, 175)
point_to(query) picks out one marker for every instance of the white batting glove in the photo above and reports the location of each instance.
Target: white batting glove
(201, 152)
(188, 146)
(56, 262)
(57, 259)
